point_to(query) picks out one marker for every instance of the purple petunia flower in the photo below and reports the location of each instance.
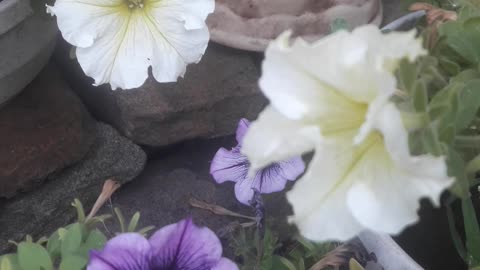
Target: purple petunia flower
(233, 166)
(179, 246)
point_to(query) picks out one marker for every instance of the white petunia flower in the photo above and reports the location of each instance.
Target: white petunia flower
(332, 96)
(118, 40)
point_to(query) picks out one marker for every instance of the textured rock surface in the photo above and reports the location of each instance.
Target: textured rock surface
(48, 207)
(162, 191)
(208, 102)
(43, 130)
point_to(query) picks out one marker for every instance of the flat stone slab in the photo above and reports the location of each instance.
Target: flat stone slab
(42, 211)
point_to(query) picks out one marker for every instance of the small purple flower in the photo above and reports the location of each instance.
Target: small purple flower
(233, 166)
(179, 246)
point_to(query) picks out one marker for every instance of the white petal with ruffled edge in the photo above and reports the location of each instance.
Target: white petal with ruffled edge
(386, 193)
(117, 44)
(273, 138)
(377, 183)
(319, 197)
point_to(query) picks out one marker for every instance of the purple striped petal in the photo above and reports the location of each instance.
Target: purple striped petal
(129, 251)
(292, 168)
(242, 130)
(184, 246)
(229, 165)
(266, 181)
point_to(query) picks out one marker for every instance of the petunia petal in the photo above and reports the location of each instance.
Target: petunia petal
(244, 190)
(182, 25)
(120, 56)
(225, 264)
(129, 251)
(267, 180)
(185, 246)
(81, 22)
(332, 77)
(292, 168)
(319, 197)
(388, 200)
(229, 166)
(242, 130)
(273, 138)
(302, 67)
(117, 44)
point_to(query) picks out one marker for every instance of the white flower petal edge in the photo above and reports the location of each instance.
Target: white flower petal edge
(375, 185)
(274, 135)
(362, 175)
(117, 43)
(328, 86)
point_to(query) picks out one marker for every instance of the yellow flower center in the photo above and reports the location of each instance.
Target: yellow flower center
(135, 3)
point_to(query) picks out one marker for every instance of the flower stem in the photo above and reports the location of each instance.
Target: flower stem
(218, 210)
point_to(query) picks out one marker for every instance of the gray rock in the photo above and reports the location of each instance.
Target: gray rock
(208, 102)
(27, 40)
(41, 211)
(43, 130)
(162, 192)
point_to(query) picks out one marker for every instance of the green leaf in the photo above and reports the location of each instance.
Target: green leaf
(54, 244)
(449, 65)
(120, 218)
(456, 168)
(145, 230)
(288, 264)
(420, 97)
(95, 240)
(301, 264)
(277, 264)
(72, 240)
(73, 262)
(469, 99)
(472, 232)
(132, 226)
(462, 40)
(455, 236)
(97, 219)
(32, 256)
(80, 211)
(407, 75)
(9, 262)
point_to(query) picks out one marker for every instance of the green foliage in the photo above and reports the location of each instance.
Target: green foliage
(68, 247)
(299, 254)
(132, 225)
(443, 90)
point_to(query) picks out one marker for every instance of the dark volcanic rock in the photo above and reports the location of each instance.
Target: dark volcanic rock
(43, 130)
(42, 211)
(208, 102)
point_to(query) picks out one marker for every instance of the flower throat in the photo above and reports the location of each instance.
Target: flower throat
(135, 3)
